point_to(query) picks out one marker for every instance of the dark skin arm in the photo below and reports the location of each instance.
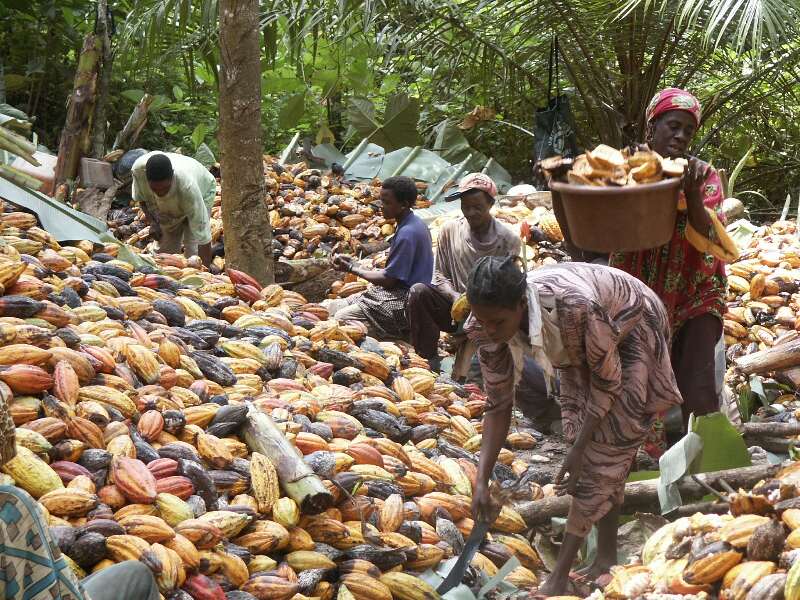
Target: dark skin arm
(149, 215)
(496, 424)
(693, 182)
(204, 252)
(566, 480)
(376, 277)
(152, 219)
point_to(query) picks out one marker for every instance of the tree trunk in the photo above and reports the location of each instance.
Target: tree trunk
(642, 496)
(133, 127)
(248, 234)
(74, 142)
(106, 65)
(2, 81)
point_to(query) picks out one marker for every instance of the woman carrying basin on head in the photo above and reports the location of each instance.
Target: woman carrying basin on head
(687, 273)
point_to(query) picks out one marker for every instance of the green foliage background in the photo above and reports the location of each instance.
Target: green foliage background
(334, 69)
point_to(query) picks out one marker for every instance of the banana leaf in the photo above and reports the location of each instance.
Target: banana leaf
(18, 125)
(15, 113)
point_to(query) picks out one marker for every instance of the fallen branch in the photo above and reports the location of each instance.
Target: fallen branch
(707, 508)
(298, 480)
(642, 496)
(777, 358)
(755, 430)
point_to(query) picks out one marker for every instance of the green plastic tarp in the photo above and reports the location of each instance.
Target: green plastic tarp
(450, 159)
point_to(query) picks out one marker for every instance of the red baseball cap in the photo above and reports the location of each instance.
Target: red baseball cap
(473, 181)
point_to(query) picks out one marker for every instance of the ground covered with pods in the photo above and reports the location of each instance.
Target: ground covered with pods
(130, 390)
(133, 390)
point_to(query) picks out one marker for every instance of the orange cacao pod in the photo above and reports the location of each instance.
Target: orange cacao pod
(26, 379)
(65, 383)
(150, 425)
(177, 485)
(364, 454)
(134, 480)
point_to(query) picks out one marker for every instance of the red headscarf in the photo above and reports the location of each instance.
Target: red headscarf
(673, 99)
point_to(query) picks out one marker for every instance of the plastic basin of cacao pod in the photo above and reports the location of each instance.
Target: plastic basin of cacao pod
(620, 219)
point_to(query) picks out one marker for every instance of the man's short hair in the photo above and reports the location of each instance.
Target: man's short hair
(158, 168)
(403, 188)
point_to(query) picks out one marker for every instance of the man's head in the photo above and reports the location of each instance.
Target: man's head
(398, 195)
(159, 174)
(477, 192)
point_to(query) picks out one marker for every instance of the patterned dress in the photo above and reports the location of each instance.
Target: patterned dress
(31, 565)
(690, 283)
(615, 366)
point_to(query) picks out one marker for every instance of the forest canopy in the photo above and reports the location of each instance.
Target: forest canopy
(332, 67)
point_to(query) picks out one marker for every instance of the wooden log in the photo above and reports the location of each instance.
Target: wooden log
(298, 271)
(299, 482)
(776, 358)
(707, 508)
(642, 496)
(95, 202)
(771, 444)
(755, 430)
(74, 142)
(133, 127)
(316, 288)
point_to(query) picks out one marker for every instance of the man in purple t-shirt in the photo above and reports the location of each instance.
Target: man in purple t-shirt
(383, 306)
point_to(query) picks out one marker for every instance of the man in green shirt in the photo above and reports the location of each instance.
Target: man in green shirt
(176, 194)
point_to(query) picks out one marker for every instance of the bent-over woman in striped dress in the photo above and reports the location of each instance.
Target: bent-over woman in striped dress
(608, 334)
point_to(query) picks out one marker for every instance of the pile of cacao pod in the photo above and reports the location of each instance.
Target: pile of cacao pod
(315, 214)
(312, 213)
(763, 308)
(129, 389)
(751, 553)
(763, 291)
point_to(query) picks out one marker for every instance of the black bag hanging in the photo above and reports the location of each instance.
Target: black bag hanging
(554, 127)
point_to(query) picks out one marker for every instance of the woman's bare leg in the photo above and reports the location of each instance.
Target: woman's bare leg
(556, 583)
(606, 545)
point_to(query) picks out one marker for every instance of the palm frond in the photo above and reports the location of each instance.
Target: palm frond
(742, 23)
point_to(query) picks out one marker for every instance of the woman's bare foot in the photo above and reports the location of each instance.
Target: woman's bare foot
(596, 569)
(572, 584)
(553, 586)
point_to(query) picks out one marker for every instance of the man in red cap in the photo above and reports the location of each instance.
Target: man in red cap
(461, 242)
